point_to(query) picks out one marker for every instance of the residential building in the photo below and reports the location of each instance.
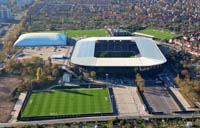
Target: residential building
(5, 12)
(22, 3)
(4, 1)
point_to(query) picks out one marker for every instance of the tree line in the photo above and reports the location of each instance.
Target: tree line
(34, 72)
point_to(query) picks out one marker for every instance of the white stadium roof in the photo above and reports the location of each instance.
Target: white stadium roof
(41, 39)
(150, 54)
(143, 35)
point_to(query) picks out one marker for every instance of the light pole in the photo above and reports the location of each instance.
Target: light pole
(106, 79)
(112, 99)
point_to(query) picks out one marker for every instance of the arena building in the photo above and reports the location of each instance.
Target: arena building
(118, 54)
(143, 52)
(41, 39)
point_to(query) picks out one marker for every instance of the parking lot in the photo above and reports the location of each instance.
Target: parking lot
(46, 52)
(159, 100)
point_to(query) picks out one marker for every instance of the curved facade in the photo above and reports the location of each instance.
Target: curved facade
(41, 39)
(150, 54)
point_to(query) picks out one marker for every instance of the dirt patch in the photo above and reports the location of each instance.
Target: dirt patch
(186, 97)
(7, 87)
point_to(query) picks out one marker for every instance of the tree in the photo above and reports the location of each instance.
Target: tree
(12, 66)
(86, 75)
(80, 77)
(140, 82)
(50, 61)
(177, 80)
(185, 73)
(39, 72)
(55, 72)
(93, 74)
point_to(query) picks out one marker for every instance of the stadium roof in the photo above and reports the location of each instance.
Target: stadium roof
(150, 54)
(41, 39)
(143, 35)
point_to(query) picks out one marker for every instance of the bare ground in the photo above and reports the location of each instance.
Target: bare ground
(7, 87)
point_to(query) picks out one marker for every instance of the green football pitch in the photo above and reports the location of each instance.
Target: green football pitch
(68, 102)
(158, 33)
(81, 33)
(115, 54)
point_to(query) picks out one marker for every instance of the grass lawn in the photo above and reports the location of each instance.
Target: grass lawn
(158, 33)
(81, 33)
(114, 54)
(68, 102)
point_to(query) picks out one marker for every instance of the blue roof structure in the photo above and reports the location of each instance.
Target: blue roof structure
(150, 54)
(41, 39)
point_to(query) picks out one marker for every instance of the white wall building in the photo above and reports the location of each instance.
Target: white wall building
(5, 12)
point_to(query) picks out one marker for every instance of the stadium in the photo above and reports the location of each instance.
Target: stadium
(114, 53)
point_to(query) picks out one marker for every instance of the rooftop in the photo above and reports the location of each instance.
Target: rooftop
(144, 35)
(41, 39)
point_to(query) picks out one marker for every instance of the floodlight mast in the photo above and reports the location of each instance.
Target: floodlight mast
(107, 79)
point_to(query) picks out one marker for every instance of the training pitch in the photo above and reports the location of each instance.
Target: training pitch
(68, 102)
(158, 33)
(81, 33)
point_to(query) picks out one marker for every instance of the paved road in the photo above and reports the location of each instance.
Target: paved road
(5, 37)
(100, 118)
(17, 107)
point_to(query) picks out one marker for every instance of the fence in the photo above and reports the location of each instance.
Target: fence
(62, 116)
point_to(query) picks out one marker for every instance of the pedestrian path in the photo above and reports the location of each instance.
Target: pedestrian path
(17, 108)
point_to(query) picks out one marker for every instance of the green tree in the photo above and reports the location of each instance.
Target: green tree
(140, 82)
(177, 80)
(86, 75)
(93, 74)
